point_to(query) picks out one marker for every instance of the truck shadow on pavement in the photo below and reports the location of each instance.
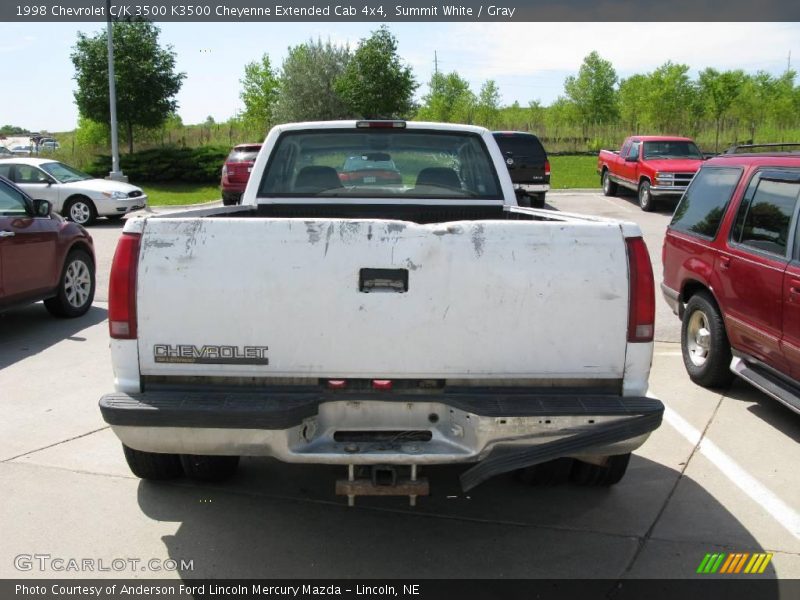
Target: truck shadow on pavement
(31, 329)
(283, 521)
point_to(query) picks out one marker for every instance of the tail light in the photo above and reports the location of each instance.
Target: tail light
(122, 288)
(642, 300)
(547, 168)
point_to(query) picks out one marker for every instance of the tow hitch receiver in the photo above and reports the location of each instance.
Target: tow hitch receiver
(383, 480)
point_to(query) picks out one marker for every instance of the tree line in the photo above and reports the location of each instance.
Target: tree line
(321, 80)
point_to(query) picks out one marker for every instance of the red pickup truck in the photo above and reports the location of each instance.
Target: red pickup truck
(652, 166)
(732, 273)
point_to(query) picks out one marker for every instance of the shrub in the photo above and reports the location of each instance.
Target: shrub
(167, 164)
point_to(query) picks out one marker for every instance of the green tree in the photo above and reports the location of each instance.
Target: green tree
(12, 130)
(91, 133)
(307, 83)
(754, 100)
(671, 96)
(260, 86)
(448, 100)
(487, 108)
(633, 101)
(375, 82)
(593, 91)
(718, 92)
(145, 76)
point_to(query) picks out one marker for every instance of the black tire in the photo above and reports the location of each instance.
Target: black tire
(231, 199)
(707, 366)
(609, 187)
(553, 472)
(152, 465)
(537, 200)
(75, 287)
(114, 218)
(80, 210)
(209, 468)
(587, 474)
(646, 201)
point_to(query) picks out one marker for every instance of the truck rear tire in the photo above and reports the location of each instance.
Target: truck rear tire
(152, 465)
(611, 473)
(704, 343)
(553, 472)
(537, 200)
(609, 187)
(209, 468)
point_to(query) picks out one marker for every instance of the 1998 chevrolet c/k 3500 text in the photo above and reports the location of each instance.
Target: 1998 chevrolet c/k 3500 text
(382, 324)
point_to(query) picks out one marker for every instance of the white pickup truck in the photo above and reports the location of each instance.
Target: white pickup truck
(397, 313)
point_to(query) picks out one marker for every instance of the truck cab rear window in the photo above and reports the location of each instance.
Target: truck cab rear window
(375, 163)
(702, 207)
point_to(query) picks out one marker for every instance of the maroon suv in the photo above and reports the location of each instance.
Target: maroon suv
(236, 172)
(42, 256)
(732, 273)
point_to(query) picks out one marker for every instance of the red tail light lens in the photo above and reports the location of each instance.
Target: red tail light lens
(642, 300)
(547, 167)
(122, 288)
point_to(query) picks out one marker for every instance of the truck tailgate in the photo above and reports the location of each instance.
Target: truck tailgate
(246, 297)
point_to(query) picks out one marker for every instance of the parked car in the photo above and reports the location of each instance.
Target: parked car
(5, 152)
(385, 327)
(652, 166)
(43, 257)
(76, 195)
(370, 168)
(528, 165)
(48, 145)
(731, 273)
(236, 172)
(21, 150)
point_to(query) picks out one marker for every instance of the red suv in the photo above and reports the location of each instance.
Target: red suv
(732, 273)
(236, 172)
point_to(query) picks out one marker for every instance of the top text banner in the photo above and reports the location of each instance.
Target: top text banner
(403, 10)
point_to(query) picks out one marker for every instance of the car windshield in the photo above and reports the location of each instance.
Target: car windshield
(64, 173)
(405, 162)
(671, 149)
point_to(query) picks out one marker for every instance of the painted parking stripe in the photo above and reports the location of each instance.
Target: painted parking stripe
(784, 514)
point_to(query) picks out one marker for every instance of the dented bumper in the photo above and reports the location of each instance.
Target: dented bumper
(500, 431)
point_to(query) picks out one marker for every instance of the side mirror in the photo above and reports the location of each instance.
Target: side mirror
(631, 159)
(42, 208)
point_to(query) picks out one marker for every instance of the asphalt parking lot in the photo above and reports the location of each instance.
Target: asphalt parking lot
(720, 475)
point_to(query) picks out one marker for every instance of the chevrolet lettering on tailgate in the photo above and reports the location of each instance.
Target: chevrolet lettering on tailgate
(210, 354)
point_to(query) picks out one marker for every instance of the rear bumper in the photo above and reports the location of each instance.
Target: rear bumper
(532, 188)
(517, 428)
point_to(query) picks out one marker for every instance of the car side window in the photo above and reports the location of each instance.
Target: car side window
(703, 205)
(5, 170)
(633, 151)
(12, 203)
(28, 174)
(766, 218)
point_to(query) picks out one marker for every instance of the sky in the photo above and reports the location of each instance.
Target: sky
(529, 61)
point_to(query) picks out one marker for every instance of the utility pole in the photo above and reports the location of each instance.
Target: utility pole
(115, 173)
(789, 62)
(435, 63)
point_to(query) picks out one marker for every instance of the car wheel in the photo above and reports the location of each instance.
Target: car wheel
(704, 343)
(209, 468)
(553, 472)
(646, 202)
(80, 210)
(537, 200)
(231, 199)
(588, 474)
(75, 288)
(609, 187)
(152, 465)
